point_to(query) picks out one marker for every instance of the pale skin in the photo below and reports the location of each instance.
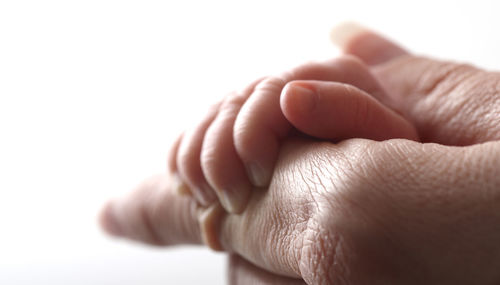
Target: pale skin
(235, 147)
(420, 209)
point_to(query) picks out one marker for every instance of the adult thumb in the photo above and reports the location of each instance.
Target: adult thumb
(448, 102)
(370, 47)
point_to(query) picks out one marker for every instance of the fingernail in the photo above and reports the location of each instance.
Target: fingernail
(233, 201)
(180, 187)
(343, 33)
(257, 175)
(304, 96)
(209, 226)
(205, 195)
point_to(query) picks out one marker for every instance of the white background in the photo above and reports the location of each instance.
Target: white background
(93, 92)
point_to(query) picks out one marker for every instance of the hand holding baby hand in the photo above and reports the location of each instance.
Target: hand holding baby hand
(234, 148)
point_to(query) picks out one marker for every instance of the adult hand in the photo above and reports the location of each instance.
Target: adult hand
(365, 212)
(242, 272)
(449, 103)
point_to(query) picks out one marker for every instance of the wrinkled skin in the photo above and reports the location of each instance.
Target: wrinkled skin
(361, 211)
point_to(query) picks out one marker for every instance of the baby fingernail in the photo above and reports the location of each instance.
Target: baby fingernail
(180, 187)
(232, 201)
(304, 95)
(209, 226)
(342, 34)
(257, 175)
(205, 195)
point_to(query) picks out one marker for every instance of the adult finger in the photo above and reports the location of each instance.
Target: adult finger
(154, 214)
(359, 212)
(372, 48)
(449, 103)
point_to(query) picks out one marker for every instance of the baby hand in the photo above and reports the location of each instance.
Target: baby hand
(234, 148)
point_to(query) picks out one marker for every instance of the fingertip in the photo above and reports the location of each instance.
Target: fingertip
(108, 221)
(342, 34)
(298, 100)
(364, 43)
(234, 200)
(204, 194)
(258, 148)
(258, 175)
(179, 186)
(209, 219)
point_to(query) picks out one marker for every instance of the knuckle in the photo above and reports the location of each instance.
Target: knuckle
(232, 102)
(248, 90)
(272, 84)
(399, 174)
(432, 77)
(214, 108)
(391, 163)
(249, 121)
(357, 160)
(443, 77)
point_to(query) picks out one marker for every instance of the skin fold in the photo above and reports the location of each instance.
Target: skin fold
(360, 211)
